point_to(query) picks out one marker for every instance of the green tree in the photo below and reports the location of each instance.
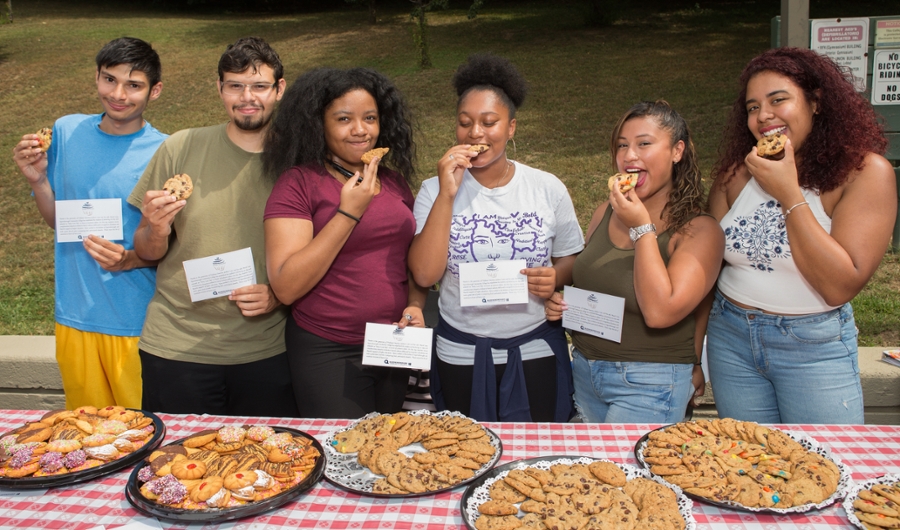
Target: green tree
(420, 30)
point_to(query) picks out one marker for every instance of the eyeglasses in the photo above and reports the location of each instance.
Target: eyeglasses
(236, 89)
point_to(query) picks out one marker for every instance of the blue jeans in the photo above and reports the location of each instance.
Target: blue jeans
(782, 369)
(632, 392)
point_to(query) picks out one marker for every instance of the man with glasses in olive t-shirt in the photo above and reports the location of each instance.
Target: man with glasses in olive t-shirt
(223, 355)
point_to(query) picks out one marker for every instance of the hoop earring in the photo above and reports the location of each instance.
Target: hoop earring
(513, 140)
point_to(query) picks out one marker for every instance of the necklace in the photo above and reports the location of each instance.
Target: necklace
(497, 184)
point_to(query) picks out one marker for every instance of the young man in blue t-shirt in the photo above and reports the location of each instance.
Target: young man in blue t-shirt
(102, 287)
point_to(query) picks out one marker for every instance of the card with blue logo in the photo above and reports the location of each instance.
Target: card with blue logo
(498, 282)
(392, 347)
(77, 219)
(593, 313)
(215, 276)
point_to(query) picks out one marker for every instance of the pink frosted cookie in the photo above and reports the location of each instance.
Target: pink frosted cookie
(74, 459)
(258, 433)
(88, 464)
(51, 462)
(277, 441)
(227, 435)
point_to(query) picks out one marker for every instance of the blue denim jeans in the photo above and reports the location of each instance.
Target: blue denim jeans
(615, 392)
(782, 369)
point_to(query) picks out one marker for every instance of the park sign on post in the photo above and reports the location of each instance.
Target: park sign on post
(886, 77)
(887, 33)
(846, 41)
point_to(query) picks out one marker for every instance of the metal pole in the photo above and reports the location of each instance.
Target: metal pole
(795, 23)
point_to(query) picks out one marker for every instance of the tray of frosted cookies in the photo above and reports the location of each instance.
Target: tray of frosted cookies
(875, 503)
(745, 466)
(573, 492)
(225, 474)
(65, 447)
(410, 454)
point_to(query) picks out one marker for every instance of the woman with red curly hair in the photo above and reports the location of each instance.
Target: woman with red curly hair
(803, 235)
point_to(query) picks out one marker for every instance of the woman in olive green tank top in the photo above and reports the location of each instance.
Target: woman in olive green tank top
(652, 247)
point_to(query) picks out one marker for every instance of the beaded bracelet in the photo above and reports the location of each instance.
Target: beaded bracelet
(789, 210)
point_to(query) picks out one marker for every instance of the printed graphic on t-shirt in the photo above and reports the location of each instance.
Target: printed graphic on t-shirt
(493, 237)
(761, 237)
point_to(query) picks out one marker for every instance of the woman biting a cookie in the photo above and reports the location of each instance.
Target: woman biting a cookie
(650, 245)
(495, 362)
(804, 233)
(338, 226)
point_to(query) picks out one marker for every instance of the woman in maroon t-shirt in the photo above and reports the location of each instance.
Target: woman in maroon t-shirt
(337, 235)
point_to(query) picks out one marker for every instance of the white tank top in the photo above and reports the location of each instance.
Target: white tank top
(759, 268)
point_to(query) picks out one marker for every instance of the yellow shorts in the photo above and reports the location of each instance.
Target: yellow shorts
(98, 369)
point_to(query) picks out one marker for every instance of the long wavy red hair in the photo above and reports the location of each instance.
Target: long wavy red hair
(844, 130)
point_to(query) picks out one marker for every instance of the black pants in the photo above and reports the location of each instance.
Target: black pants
(540, 380)
(260, 388)
(330, 380)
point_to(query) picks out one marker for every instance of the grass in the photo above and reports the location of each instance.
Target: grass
(581, 80)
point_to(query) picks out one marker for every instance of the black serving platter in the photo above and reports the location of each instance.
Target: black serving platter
(67, 479)
(219, 515)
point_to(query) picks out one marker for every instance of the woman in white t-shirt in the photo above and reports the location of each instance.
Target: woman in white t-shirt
(803, 235)
(495, 362)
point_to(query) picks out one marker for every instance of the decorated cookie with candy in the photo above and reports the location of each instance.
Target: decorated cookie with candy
(228, 467)
(65, 442)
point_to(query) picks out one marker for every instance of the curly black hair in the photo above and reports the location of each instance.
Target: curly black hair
(845, 126)
(483, 71)
(297, 134)
(686, 198)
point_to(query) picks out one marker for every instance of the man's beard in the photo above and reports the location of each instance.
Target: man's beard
(252, 123)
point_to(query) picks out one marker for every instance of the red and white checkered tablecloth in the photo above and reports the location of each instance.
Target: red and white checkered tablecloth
(867, 450)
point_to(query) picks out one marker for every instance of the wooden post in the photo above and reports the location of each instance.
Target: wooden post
(795, 23)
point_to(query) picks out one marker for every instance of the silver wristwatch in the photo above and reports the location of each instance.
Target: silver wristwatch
(640, 231)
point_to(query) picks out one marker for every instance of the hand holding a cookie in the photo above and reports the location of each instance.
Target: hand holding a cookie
(554, 306)
(628, 208)
(159, 208)
(778, 178)
(256, 299)
(359, 189)
(452, 166)
(31, 159)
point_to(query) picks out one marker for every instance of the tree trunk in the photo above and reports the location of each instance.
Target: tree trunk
(422, 38)
(9, 15)
(372, 18)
